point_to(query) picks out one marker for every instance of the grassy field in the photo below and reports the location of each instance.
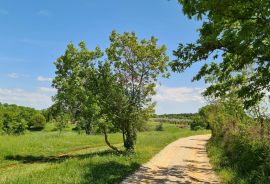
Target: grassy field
(46, 157)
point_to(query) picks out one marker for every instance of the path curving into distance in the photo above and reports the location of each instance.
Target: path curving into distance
(184, 161)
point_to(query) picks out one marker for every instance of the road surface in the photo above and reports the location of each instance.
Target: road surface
(183, 161)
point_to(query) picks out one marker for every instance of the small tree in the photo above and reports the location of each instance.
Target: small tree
(61, 122)
(137, 64)
(38, 122)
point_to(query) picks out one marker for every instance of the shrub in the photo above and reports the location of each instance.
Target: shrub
(38, 122)
(244, 151)
(13, 124)
(159, 127)
(198, 123)
(61, 122)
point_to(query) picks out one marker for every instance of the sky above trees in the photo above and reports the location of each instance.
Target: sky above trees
(34, 33)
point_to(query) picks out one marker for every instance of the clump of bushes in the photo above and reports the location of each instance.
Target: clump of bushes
(244, 149)
(159, 127)
(38, 122)
(17, 119)
(198, 123)
(13, 124)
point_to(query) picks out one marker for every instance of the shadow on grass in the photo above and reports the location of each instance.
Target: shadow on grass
(28, 159)
(94, 173)
(108, 172)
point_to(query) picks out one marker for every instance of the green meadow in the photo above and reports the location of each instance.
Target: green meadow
(69, 157)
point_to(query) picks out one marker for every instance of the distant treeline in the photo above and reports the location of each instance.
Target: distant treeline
(173, 121)
(176, 116)
(181, 119)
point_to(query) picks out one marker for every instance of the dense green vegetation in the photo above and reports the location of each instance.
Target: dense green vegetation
(17, 119)
(176, 116)
(240, 147)
(183, 119)
(46, 157)
(114, 94)
(234, 45)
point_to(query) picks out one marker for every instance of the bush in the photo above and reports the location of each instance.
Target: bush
(38, 122)
(244, 150)
(61, 122)
(198, 123)
(159, 127)
(13, 124)
(248, 159)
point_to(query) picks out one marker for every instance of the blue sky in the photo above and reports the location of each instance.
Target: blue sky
(34, 33)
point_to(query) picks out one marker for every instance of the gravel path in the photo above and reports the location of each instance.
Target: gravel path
(183, 161)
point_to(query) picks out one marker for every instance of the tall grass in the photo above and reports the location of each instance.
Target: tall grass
(240, 160)
(238, 149)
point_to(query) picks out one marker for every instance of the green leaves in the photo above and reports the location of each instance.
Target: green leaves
(235, 37)
(136, 64)
(114, 94)
(75, 83)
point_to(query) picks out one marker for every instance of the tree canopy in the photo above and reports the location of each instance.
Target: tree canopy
(112, 93)
(74, 73)
(235, 36)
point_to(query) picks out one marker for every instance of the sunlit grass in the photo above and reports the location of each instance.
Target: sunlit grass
(38, 156)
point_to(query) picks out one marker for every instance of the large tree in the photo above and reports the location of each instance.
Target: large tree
(137, 65)
(235, 35)
(114, 94)
(75, 84)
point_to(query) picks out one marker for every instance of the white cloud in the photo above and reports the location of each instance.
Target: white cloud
(13, 75)
(22, 97)
(178, 94)
(47, 90)
(43, 79)
(45, 13)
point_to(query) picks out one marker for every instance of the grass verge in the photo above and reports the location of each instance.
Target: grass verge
(239, 161)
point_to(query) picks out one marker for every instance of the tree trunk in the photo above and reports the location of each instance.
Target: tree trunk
(88, 128)
(129, 140)
(129, 143)
(262, 128)
(107, 141)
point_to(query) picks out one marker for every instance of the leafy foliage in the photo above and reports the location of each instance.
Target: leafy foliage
(74, 74)
(159, 127)
(38, 122)
(16, 119)
(235, 34)
(137, 65)
(198, 123)
(13, 124)
(114, 94)
(237, 144)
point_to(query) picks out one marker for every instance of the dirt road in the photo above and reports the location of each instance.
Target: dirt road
(183, 161)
